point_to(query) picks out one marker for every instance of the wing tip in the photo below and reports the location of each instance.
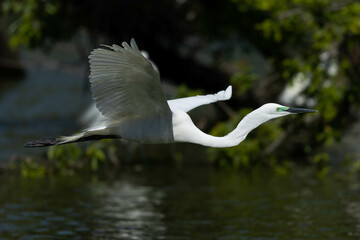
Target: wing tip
(133, 44)
(117, 48)
(228, 92)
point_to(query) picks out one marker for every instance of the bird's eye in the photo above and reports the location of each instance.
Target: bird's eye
(278, 109)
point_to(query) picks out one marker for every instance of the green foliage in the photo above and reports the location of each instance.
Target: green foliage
(242, 81)
(32, 168)
(184, 91)
(65, 159)
(317, 39)
(320, 161)
(96, 154)
(352, 164)
(27, 25)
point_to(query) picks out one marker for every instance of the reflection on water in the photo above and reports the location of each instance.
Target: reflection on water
(75, 209)
(158, 203)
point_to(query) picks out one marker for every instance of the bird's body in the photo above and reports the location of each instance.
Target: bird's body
(127, 92)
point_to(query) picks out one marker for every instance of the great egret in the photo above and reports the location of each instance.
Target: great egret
(126, 89)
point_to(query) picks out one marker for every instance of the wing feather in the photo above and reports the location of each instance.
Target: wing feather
(127, 90)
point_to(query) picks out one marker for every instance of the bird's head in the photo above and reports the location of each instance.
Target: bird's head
(274, 110)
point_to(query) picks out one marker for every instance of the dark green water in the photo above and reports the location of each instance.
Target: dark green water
(158, 203)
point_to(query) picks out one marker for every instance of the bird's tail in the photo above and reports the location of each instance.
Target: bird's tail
(81, 137)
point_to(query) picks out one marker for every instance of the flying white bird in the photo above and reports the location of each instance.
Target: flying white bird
(127, 91)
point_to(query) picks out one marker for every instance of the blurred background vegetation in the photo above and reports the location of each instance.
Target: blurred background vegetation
(296, 52)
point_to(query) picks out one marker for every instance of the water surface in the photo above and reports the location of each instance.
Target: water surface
(163, 203)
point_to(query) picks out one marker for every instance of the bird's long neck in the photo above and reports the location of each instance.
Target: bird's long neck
(192, 134)
(246, 125)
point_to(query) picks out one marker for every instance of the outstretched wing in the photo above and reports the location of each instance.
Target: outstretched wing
(126, 89)
(189, 103)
